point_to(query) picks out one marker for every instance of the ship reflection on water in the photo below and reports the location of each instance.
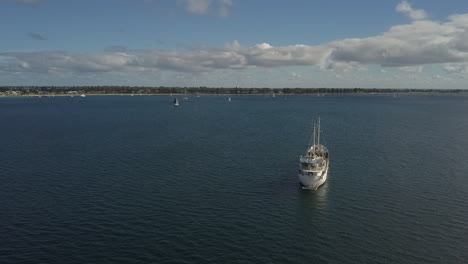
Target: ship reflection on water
(316, 199)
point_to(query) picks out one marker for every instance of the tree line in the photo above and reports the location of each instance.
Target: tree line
(38, 90)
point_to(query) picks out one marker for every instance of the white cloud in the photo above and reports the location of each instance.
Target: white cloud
(415, 14)
(269, 56)
(295, 75)
(46, 62)
(408, 46)
(456, 68)
(203, 7)
(231, 56)
(224, 6)
(459, 20)
(418, 43)
(412, 69)
(342, 66)
(197, 6)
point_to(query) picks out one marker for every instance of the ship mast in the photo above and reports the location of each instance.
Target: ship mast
(318, 136)
(314, 135)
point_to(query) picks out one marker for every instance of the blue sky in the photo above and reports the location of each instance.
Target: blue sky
(227, 43)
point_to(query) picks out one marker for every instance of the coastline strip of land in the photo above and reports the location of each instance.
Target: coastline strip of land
(162, 90)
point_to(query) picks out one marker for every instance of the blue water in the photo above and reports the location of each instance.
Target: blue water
(120, 179)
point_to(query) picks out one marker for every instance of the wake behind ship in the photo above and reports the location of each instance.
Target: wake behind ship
(313, 168)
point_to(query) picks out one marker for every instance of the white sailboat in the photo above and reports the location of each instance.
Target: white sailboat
(229, 99)
(185, 94)
(176, 102)
(313, 168)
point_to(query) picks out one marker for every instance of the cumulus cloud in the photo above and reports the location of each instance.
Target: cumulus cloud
(418, 43)
(342, 66)
(202, 7)
(266, 55)
(411, 69)
(415, 14)
(35, 36)
(231, 56)
(224, 6)
(408, 46)
(197, 6)
(43, 62)
(295, 75)
(455, 68)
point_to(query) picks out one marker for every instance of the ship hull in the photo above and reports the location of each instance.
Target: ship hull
(313, 181)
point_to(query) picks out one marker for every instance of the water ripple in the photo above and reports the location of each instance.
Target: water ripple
(133, 180)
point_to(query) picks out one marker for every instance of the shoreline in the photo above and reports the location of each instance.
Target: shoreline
(232, 94)
(40, 91)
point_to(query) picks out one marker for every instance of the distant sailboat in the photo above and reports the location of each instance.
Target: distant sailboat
(185, 94)
(176, 102)
(229, 99)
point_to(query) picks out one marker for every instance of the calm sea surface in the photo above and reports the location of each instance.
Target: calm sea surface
(120, 179)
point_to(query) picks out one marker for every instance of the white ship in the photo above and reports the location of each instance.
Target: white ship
(313, 168)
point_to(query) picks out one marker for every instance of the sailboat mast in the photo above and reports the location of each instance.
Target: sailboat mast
(318, 136)
(314, 135)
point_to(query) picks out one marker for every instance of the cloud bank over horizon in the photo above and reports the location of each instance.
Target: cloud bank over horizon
(413, 45)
